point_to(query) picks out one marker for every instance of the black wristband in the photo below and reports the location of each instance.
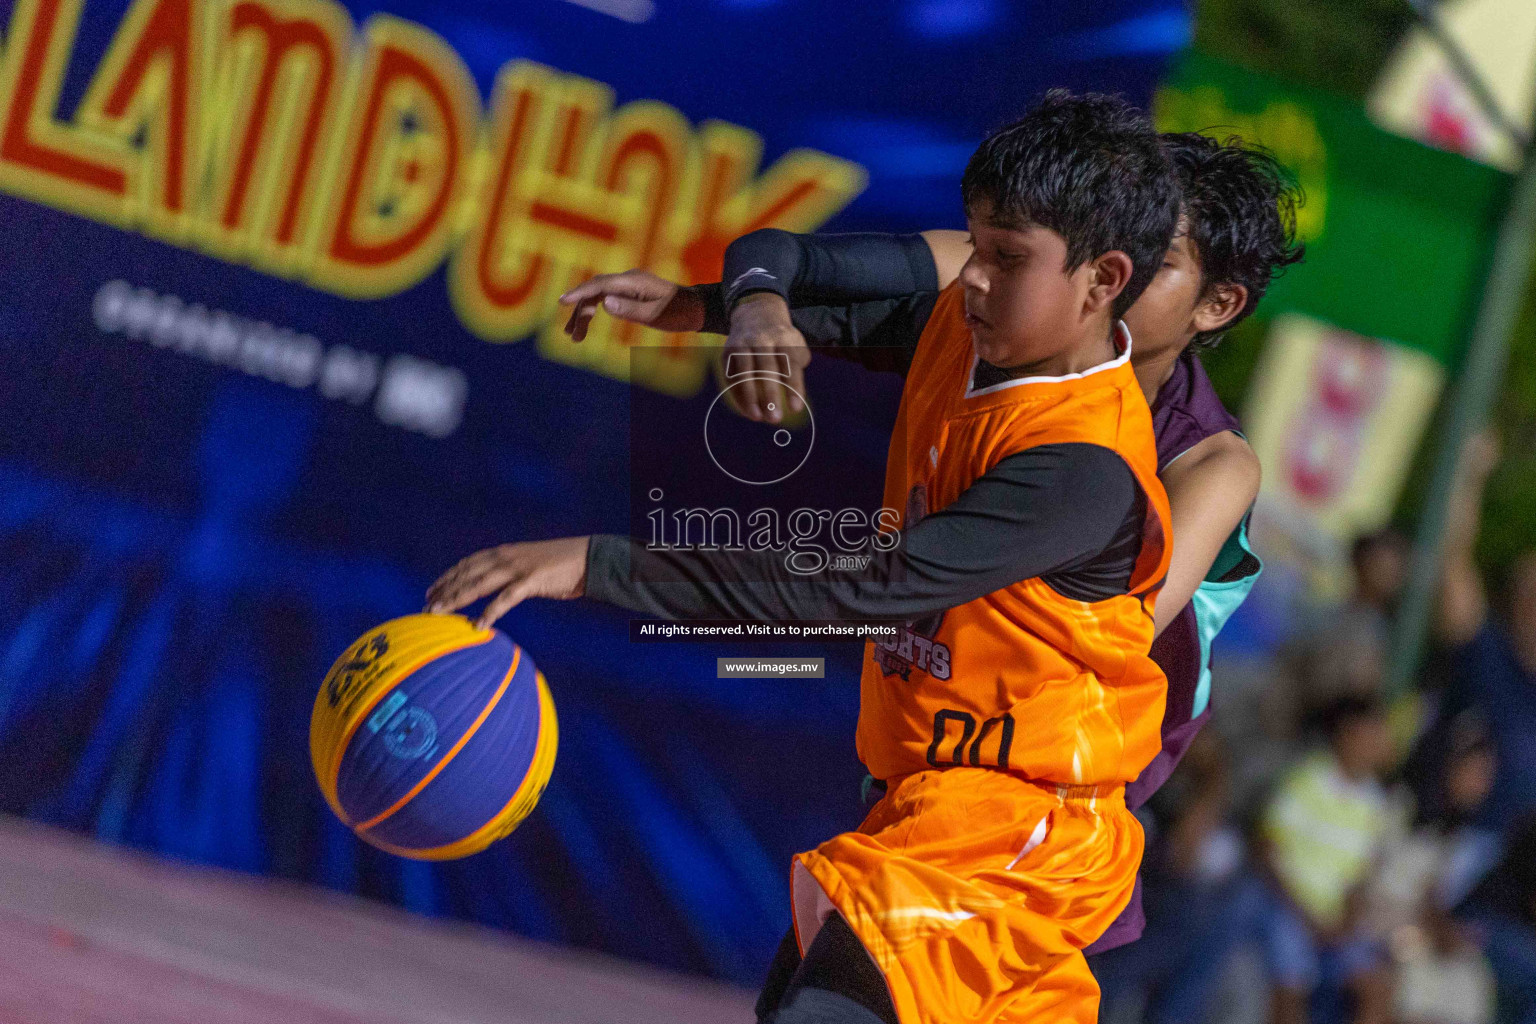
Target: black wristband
(717, 320)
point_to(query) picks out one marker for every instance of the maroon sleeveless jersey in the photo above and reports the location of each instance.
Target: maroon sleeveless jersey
(1185, 412)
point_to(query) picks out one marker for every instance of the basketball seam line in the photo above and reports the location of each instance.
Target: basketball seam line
(474, 727)
(362, 715)
(543, 756)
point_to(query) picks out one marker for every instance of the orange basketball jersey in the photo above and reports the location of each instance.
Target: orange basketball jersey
(1023, 679)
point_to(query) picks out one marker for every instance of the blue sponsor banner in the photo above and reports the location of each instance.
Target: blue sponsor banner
(280, 344)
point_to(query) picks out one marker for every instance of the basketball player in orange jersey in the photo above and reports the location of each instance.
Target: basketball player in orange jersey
(1236, 232)
(1011, 712)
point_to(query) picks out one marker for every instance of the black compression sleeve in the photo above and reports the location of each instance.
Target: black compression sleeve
(828, 269)
(1054, 510)
(867, 295)
(881, 334)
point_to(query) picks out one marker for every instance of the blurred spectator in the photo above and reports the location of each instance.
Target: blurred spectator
(1256, 710)
(1503, 911)
(1440, 976)
(1491, 661)
(1446, 854)
(1343, 650)
(1322, 833)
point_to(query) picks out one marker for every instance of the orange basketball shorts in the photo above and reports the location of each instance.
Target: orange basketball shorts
(975, 892)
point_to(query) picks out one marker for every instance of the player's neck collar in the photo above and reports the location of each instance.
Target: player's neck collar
(1120, 338)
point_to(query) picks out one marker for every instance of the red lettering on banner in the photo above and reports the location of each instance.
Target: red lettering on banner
(279, 37)
(268, 139)
(147, 76)
(799, 192)
(411, 136)
(537, 210)
(40, 158)
(577, 189)
(523, 95)
(344, 245)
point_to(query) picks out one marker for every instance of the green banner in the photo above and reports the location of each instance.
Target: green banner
(1397, 233)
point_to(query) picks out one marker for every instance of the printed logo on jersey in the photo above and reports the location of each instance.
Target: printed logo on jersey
(914, 646)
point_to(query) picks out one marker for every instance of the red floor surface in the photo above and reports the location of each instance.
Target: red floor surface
(95, 935)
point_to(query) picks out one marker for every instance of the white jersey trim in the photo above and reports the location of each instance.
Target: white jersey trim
(1123, 340)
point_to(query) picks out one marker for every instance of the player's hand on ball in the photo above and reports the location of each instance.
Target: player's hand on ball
(635, 295)
(513, 572)
(761, 332)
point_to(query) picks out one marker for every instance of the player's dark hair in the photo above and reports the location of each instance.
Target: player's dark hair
(1240, 206)
(1089, 167)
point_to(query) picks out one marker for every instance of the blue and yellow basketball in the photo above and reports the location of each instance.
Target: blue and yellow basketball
(433, 739)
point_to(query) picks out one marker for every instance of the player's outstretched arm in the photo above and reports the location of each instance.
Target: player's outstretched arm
(805, 270)
(638, 296)
(859, 290)
(1210, 488)
(760, 329)
(1041, 511)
